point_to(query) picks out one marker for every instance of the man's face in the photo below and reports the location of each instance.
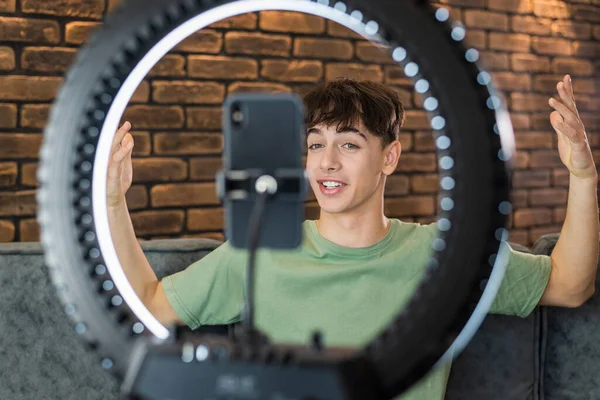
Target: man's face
(345, 168)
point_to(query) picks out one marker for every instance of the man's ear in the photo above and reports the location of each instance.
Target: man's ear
(392, 156)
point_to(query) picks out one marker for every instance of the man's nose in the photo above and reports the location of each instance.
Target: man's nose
(329, 159)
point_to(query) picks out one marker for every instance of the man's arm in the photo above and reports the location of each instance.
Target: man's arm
(140, 274)
(575, 256)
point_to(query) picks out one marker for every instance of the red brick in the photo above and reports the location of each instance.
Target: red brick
(465, 3)
(586, 12)
(169, 65)
(529, 63)
(29, 30)
(338, 30)
(513, 42)
(519, 236)
(413, 162)
(548, 197)
(572, 66)
(8, 174)
(486, 20)
(136, 197)
(65, 8)
(47, 59)
(351, 70)
(28, 87)
(476, 38)
(397, 185)
(257, 43)
(292, 71)
(157, 222)
(79, 31)
(587, 86)
(545, 159)
(519, 198)
(534, 140)
(571, 30)
(187, 92)
(512, 6)
(29, 174)
(551, 46)
(34, 115)
(521, 102)
(560, 177)
(257, 87)
(521, 160)
(22, 203)
(596, 32)
(142, 145)
(495, 61)
(409, 206)
(295, 22)
(205, 118)
(19, 145)
(406, 96)
(242, 21)
(394, 75)
(7, 58)
(141, 94)
(531, 178)
(423, 142)
(540, 231)
(406, 141)
(541, 121)
(559, 214)
(188, 143)
(159, 170)
(551, 9)
(203, 41)
(546, 83)
(7, 231)
(323, 48)
(205, 169)
(520, 121)
(586, 49)
(369, 52)
(416, 120)
(207, 219)
(8, 6)
(219, 67)
(8, 115)
(531, 25)
(184, 194)
(510, 81)
(154, 117)
(526, 217)
(427, 183)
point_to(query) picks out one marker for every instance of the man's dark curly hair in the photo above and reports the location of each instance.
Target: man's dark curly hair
(345, 102)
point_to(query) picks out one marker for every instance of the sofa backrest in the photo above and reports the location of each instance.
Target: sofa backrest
(570, 343)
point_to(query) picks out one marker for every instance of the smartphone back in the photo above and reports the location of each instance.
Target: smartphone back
(265, 132)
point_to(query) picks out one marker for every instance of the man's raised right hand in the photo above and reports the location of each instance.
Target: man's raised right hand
(120, 170)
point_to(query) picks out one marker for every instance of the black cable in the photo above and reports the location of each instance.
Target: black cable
(253, 240)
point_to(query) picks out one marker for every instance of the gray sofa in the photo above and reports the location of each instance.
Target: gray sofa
(552, 354)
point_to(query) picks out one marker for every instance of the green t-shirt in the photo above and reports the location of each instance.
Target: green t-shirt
(349, 294)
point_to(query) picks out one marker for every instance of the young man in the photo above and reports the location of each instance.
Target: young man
(357, 268)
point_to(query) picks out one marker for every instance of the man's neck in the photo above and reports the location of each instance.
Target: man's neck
(353, 230)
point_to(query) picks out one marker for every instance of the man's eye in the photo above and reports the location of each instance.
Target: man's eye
(351, 146)
(314, 146)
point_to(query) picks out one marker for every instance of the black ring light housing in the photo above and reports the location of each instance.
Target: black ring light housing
(474, 192)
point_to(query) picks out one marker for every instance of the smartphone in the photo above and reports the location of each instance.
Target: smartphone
(263, 135)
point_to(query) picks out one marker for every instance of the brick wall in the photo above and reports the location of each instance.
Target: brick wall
(175, 112)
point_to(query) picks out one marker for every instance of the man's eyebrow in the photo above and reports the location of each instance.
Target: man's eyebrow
(340, 132)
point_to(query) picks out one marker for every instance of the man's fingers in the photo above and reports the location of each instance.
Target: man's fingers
(125, 149)
(119, 134)
(560, 126)
(567, 114)
(565, 91)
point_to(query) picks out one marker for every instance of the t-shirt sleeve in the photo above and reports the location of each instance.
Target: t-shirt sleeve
(524, 282)
(211, 290)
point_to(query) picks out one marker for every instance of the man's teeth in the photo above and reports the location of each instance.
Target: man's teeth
(331, 184)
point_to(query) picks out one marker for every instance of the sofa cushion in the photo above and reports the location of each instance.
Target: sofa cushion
(501, 361)
(571, 353)
(40, 355)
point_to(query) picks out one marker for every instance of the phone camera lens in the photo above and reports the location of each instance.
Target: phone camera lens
(237, 116)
